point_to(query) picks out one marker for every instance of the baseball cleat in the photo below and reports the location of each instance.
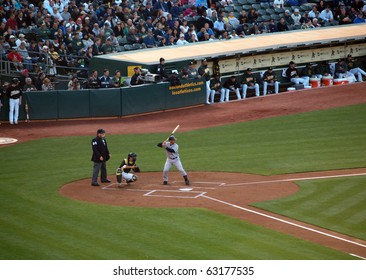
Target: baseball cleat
(165, 183)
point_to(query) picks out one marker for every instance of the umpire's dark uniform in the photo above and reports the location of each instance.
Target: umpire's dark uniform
(100, 156)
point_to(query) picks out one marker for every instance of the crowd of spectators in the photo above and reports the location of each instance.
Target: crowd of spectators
(51, 37)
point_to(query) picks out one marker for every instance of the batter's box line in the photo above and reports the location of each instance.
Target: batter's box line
(151, 193)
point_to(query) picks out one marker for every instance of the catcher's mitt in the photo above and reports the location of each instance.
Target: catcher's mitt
(136, 169)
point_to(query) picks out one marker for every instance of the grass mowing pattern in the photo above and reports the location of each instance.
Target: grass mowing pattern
(37, 223)
(335, 204)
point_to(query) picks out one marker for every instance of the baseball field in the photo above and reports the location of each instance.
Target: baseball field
(276, 178)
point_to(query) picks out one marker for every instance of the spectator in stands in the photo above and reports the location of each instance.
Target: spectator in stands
(136, 78)
(47, 85)
(357, 5)
(279, 4)
(270, 79)
(249, 82)
(327, 16)
(242, 30)
(74, 83)
(272, 26)
(263, 27)
(229, 85)
(288, 18)
(203, 19)
(216, 88)
(252, 15)
(296, 17)
(39, 80)
(105, 79)
(149, 40)
(342, 14)
(353, 68)
(182, 40)
(219, 26)
(16, 59)
(93, 80)
(314, 9)
(4, 47)
(293, 75)
(29, 85)
(307, 24)
(117, 80)
(26, 59)
(360, 18)
(282, 25)
(233, 21)
(107, 46)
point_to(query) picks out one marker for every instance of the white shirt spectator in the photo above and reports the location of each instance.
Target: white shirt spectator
(326, 15)
(278, 4)
(182, 41)
(296, 17)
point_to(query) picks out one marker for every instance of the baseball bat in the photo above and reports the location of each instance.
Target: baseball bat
(174, 130)
(27, 111)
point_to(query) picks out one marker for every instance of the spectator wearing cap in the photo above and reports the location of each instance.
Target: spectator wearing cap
(118, 30)
(12, 41)
(327, 16)
(249, 82)
(182, 40)
(294, 76)
(44, 32)
(270, 79)
(149, 40)
(296, 17)
(107, 47)
(77, 44)
(27, 60)
(308, 71)
(288, 18)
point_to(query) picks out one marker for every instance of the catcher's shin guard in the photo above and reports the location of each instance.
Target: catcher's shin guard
(133, 179)
(119, 176)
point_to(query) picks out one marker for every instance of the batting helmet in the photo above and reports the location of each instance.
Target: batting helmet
(172, 137)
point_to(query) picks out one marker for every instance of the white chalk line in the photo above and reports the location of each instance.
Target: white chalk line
(297, 179)
(357, 256)
(284, 221)
(151, 193)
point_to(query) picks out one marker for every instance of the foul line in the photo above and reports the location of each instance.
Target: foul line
(284, 221)
(297, 179)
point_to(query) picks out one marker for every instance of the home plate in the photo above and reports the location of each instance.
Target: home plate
(185, 189)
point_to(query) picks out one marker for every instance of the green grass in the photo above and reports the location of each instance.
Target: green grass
(37, 223)
(335, 204)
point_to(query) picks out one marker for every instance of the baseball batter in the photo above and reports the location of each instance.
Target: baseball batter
(172, 158)
(125, 168)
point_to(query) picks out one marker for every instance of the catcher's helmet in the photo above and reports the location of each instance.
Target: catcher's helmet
(132, 155)
(172, 137)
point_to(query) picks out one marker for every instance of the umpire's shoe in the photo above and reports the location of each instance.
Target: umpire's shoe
(95, 184)
(106, 181)
(165, 183)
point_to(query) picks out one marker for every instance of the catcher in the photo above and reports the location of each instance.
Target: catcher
(123, 172)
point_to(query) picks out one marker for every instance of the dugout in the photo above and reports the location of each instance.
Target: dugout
(257, 52)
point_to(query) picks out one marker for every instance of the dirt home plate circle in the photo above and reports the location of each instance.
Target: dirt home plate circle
(6, 140)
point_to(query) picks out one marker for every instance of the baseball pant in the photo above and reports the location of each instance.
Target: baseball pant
(168, 165)
(102, 167)
(245, 88)
(13, 110)
(127, 176)
(208, 92)
(227, 93)
(303, 80)
(359, 72)
(275, 84)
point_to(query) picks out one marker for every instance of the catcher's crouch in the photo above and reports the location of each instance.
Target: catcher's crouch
(125, 168)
